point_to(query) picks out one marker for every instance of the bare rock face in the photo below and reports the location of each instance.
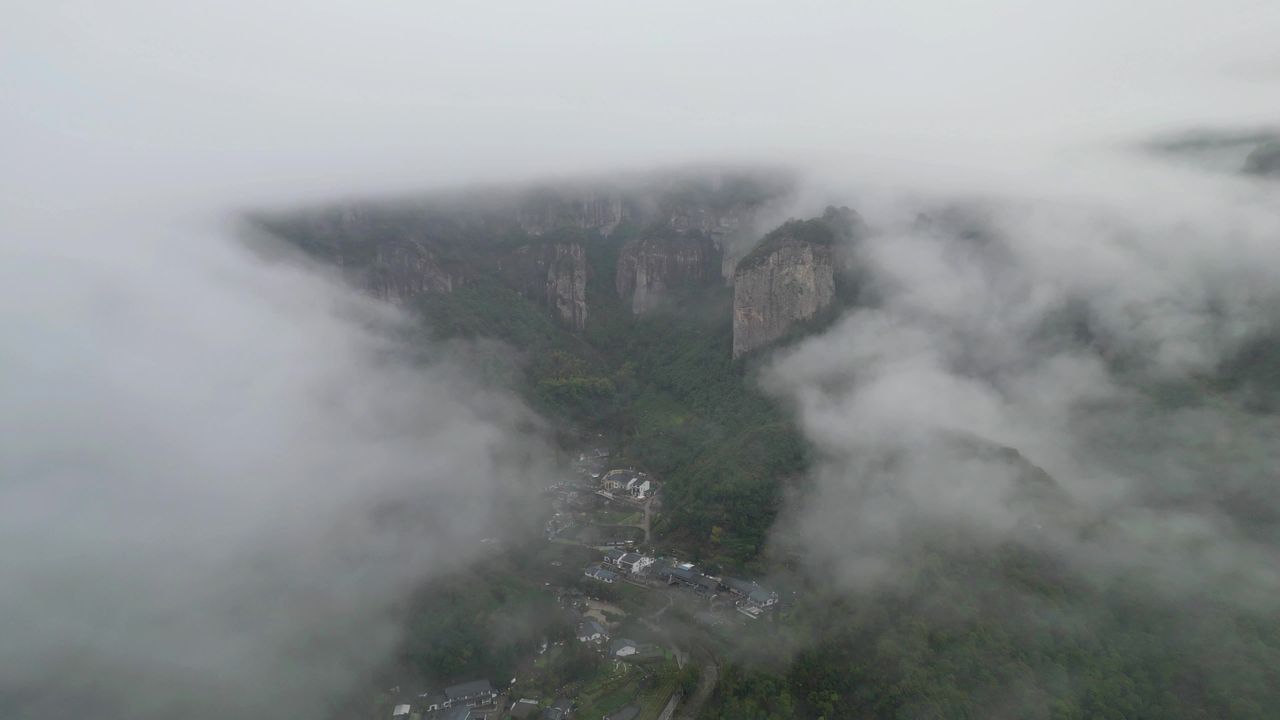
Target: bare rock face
(788, 279)
(1264, 160)
(650, 268)
(401, 273)
(555, 273)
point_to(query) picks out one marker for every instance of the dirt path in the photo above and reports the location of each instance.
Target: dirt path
(706, 685)
(597, 609)
(658, 615)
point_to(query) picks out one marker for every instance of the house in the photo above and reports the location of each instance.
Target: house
(599, 573)
(613, 555)
(401, 710)
(673, 574)
(641, 491)
(633, 562)
(750, 592)
(471, 694)
(591, 631)
(684, 574)
(523, 708)
(623, 647)
(433, 701)
(559, 710)
(630, 712)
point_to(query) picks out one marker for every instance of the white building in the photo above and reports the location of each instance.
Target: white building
(623, 647)
(633, 562)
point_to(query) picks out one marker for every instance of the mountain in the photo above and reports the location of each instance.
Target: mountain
(788, 278)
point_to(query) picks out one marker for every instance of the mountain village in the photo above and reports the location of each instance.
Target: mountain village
(606, 513)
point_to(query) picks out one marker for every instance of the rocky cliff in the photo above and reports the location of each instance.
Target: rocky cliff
(650, 268)
(534, 239)
(554, 273)
(401, 273)
(788, 278)
(1264, 160)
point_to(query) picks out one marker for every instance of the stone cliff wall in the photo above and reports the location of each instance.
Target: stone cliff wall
(789, 283)
(650, 268)
(401, 273)
(554, 273)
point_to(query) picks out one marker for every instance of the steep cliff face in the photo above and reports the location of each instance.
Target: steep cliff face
(787, 279)
(401, 273)
(1264, 160)
(650, 268)
(554, 273)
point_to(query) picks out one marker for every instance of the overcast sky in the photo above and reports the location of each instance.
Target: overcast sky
(252, 100)
(170, 404)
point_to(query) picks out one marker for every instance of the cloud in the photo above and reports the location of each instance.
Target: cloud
(221, 475)
(201, 451)
(1091, 340)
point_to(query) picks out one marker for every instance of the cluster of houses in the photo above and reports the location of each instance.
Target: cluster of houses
(636, 484)
(455, 703)
(592, 631)
(617, 563)
(750, 598)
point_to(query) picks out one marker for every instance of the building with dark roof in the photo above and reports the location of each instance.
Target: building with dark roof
(433, 701)
(559, 710)
(471, 694)
(598, 573)
(686, 575)
(623, 647)
(591, 631)
(750, 591)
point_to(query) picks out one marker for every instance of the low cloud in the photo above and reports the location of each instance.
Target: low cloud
(1055, 374)
(222, 475)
